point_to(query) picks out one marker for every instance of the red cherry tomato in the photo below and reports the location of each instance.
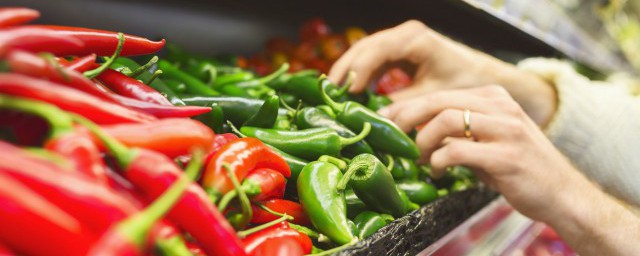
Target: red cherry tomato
(313, 30)
(333, 47)
(393, 80)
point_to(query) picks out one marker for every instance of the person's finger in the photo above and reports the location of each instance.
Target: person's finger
(450, 123)
(460, 152)
(338, 72)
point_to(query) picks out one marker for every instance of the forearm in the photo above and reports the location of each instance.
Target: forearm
(594, 223)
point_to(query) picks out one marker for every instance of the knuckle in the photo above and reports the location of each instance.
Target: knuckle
(413, 24)
(456, 151)
(449, 117)
(496, 90)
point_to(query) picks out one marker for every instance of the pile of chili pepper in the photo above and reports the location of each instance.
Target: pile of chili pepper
(187, 155)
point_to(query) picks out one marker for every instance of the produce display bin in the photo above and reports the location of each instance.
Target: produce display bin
(242, 27)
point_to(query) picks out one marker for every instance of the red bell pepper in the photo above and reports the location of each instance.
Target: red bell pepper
(280, 206)
(12, 16)
(132, 88)
(279, 246)
(129, 236)
(81, 64)
(172, 136)
(253, 241)
(260, 184)
(153, 173)
(103, 43)
(96, 109)
(241, 155)
(33, 225)
(38, 40)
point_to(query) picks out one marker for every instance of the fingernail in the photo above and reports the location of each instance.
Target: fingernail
(383, 112)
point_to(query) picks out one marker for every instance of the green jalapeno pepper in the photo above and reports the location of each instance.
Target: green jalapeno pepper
(404, 169)
(354, 205)
(308, 144)
(175, 85)
(193, 85)
(214, 118)
(282, 123)
(236, 109)
(418, 192)
(376, 102)
(266, 115)
(306, 88)
(157, 84)
(373, 184)
(369, 222)
(408, 205)
(311, 117)
(385, 135)
(233, 78)
(327, 110)
(323, 203)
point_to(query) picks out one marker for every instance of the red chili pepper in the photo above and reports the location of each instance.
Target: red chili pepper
(282, 206)
(4, 251)
(38, 40)
(161, 111)
(132, 88)
(172, 136)
(260, 184)
(102, 42)
(12, 16)
(242, 155)
(253, 241)
(279, 246)
(79, 148)
(195, 249)
(153, 173)
(98, 110)
(81, 64)
(32, 225)
(28, 130)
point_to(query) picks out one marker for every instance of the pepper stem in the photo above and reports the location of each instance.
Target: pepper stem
(391, 162)
(153, 77)
(353, 168)
(347, 84)
(333, 160)
(338, 107)
(247, 213)
(138, 71)
(213, 74)
(366, 128)
(305, 230)
(281, 70)
(172, 246)
(60, 121)
(226, 199)
(245, 233)
(336, 249)
(122, 153)
(137, 226)
(96, 72)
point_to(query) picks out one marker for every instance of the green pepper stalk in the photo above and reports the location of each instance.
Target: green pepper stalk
(369, 222)
(385, 135)
(194, 85)
(96, 72)
(321, 200)
(137, 71)
(373, 184)
(308, 144)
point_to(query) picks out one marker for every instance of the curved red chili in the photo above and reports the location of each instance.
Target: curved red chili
(253, 241)
(11, 16)
(81, 64)
(132, 88)
(281, 206)
(38, 40)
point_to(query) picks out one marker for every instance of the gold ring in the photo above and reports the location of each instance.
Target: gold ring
(466, 116)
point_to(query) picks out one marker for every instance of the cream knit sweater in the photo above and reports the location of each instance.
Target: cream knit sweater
(597, 126)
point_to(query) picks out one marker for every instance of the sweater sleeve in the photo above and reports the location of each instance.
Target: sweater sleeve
(596, 125)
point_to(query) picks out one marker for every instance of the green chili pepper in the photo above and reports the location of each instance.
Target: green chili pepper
(376, 102)
(408, 205)
(354, 205)
(306, 88)
(157, 84)
(308, 144)
(321, 200)
(369, 222)
(204, 71)
(214, 118)
(175, 85)
(404, 169)
(234, 78)
(373, 184)
(236, 109)
(385, 135)
(282, 123)
(419, 192)
(327, 110)
(266, 115)
(194, 85)
(311, 117)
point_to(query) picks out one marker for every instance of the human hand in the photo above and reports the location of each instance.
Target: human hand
(436, 63)
(507, 151)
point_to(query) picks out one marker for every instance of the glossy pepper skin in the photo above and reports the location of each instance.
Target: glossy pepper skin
(81, 64)
(260, 184)
(279, 246)
(324, 204)
(266, 115)
(96, 109)
(404, 169)
(12, 16)
(309, 144)
(373, 184)
(253, 241)
(170, 136)
(33, 225)
(103, 43)
(132, 88)
(385, 135)
(376, 102)
(194, 85)
(236, 109)
(38, 40)
(311, 117)
(419, 192)
(242, 155)
(157, 84)
(369, 222)
(306, 88)
(282, 206)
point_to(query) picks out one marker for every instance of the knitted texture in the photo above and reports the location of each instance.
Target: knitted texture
(597, 126)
